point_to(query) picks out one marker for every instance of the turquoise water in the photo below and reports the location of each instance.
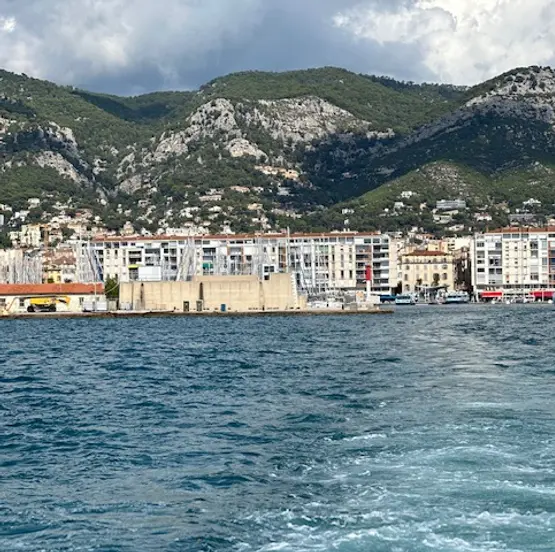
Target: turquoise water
(431, 429)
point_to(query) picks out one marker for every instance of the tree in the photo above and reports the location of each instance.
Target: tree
(67, 232)
(5, 242)
(111, 288)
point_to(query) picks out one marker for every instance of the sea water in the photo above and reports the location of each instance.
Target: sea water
(429, 429)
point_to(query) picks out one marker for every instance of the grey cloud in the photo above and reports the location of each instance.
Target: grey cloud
(134, 46)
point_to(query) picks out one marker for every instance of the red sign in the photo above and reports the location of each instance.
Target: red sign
(491, 294)
(368, 273)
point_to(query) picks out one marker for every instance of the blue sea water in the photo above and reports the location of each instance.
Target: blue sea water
(430, 429)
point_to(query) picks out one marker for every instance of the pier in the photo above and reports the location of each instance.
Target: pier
(209, 314)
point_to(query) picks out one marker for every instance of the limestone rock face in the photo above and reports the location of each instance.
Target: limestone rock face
(525, 95)
(4, 125)
(132, 184)
(528, 93)
(290, 120)
(239, 147)
(60, 164)
(217, 116)
(303, 119)
(62, 137)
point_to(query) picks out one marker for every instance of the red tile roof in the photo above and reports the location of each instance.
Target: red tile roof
(51, 289)
(232, 236)
(521, 230)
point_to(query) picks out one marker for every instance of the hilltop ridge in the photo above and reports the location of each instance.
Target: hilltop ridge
(264, 151)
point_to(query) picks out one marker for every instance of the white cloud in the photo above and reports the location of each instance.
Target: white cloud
(7, 24)
(462, 41)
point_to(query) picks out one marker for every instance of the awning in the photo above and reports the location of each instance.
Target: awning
(491, 294)
(543, 294)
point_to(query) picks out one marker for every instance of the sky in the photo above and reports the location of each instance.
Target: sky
(135, 46)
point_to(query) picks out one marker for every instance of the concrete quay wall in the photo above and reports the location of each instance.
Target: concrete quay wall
(213, 293)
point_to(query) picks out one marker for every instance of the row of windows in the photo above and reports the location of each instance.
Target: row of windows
(435, 267)
(444, 277)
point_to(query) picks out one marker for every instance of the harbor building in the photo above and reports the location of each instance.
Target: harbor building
(320, 263)
(21, 298)
(275, 292)
(514, 262)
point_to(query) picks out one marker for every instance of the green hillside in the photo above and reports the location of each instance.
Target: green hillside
(302, 164)
(401, 107)
(482, 192)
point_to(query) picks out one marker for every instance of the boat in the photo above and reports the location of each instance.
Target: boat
(405, 299)
(456, 297)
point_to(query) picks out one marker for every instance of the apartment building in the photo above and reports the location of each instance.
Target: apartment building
(514, 262)
(320, 262)
(424, 269)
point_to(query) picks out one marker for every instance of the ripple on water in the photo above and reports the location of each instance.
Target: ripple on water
(293, 434)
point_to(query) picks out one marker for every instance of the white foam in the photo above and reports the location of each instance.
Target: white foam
(367, 437)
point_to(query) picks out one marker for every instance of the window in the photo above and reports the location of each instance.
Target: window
(444, 276)
(21, 303)
(2, 302)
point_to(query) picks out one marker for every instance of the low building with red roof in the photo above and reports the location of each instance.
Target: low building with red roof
(73, 297)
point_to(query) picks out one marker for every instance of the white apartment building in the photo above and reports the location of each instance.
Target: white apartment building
(320, 262)
(514, 261)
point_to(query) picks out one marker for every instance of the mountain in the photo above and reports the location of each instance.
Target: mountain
(315, 149)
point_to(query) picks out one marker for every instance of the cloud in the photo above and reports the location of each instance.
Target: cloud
(462, 41)
(131, 46)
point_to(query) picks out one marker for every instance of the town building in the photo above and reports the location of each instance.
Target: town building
(522, 218)
(30, 235)
(514, 262)
(450, 204)
(425, 269)
(321, 263)
(59, 265)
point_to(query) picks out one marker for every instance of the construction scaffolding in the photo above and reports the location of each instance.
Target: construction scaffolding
(188, 265)
(20, 267)
(88, 265)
